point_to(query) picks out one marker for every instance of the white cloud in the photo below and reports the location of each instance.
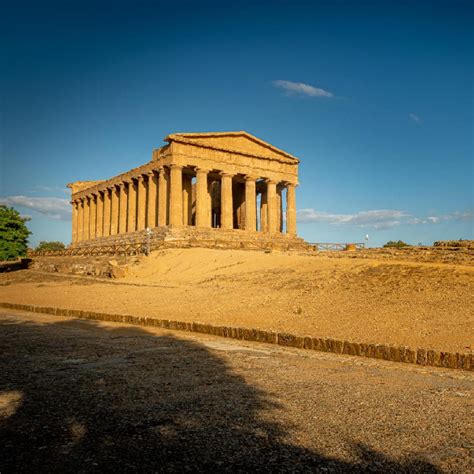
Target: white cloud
(301, 88)
(55, 208)
(453, 216)
(414, 117)
(462, 216)
(51, 189)
(378, 219)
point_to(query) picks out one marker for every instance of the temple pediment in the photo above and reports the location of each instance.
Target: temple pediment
(235, 142)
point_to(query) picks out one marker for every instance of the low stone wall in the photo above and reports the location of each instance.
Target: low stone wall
(103, 267)
(424, 357)
(455, 244)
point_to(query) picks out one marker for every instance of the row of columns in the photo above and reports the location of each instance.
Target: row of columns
(166, 199)
(126, 207)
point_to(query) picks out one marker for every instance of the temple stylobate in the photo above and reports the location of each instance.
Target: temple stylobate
(227, 181)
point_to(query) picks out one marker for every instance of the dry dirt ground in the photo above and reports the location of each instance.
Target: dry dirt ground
(396, 300)
(85, 396)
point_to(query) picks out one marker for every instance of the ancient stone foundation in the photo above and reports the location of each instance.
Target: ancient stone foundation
(223, 186)
(424, 357)
(188, 237)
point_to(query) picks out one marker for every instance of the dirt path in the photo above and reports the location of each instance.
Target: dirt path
(417, 304)
(84, 396)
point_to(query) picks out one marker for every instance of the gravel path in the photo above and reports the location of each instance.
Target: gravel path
(84, 396)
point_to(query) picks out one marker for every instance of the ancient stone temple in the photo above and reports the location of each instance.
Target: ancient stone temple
(229, 186)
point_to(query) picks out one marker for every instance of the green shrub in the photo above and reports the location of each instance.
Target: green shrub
(398, 244)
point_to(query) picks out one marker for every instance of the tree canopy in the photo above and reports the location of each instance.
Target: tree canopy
(44, 245)
(13, 234)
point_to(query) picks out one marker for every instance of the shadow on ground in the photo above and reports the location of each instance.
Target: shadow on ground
(78, 397)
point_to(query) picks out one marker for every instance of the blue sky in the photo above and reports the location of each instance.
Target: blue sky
(374, 97)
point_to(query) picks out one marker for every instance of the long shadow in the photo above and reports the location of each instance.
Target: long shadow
(90, 399)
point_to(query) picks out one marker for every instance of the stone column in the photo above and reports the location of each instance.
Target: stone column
(187, 199)
(151, 201)
(203, 210)
(74, 221)
(250, 204)
(132, 207)
(279, 207)
(176, 195)
(107, 211)
(238, 205)
(227, 214)
(80, 220)
(264, 211)
(291, 209)
(93, 217)
(122, 208)
(87, 210)
(210, 196)
(100, 214)
(114, 219)
(272, 206)
(141, 203)
(162, 197)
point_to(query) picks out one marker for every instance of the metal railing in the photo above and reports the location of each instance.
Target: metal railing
(338, 245)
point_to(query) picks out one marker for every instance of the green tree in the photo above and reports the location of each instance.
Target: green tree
(13, 234)
(43, 245)
(398, 244)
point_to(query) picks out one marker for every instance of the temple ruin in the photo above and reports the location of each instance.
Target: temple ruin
(229, 186)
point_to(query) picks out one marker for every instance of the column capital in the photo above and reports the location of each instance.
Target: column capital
(175, 166)
(249, 177)
(151, 173)
(122, 185)
(226, 174)
(201, 170)
(139, 178)
(270, 181)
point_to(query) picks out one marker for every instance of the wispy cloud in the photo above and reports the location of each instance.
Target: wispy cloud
(302, 89)
(54, 189)
(453, 216)
(414, 117)
(54, 208)
(379, 219)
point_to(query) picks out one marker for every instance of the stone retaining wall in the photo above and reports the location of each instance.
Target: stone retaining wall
(425, 357)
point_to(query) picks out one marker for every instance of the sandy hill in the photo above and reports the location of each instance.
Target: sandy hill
(361, 299)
